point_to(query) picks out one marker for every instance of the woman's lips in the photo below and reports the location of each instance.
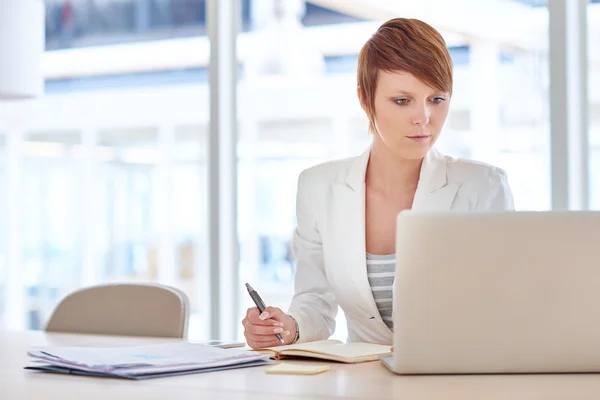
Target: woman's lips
(419, 138)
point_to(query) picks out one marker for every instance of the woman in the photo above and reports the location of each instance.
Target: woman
(346, 210)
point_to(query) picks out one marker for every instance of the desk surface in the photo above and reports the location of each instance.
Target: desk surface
(360, 381)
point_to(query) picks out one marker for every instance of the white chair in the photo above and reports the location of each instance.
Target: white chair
(123, 309)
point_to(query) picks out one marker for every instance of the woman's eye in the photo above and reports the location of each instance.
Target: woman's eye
(401, 102)
(437, 100)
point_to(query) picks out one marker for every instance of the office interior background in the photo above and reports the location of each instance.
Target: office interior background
(106, 178)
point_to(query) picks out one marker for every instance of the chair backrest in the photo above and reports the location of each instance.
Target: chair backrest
(123, 309)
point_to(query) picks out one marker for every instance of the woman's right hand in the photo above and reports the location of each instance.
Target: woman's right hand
(260, 329)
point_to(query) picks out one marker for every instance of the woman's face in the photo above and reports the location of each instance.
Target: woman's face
(409, 115)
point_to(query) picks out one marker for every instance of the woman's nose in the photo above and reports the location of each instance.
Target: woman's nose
(421, 116)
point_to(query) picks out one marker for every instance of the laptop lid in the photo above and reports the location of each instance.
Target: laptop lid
(497, 292)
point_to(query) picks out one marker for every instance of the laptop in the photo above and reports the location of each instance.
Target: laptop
(515, 292)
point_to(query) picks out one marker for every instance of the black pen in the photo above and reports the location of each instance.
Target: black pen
(260, 305)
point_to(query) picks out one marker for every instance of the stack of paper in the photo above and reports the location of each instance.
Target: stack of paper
(140, 362)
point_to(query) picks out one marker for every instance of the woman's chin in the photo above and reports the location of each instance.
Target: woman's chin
(413, 152)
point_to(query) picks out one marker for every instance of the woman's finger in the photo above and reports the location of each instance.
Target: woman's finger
(259, 330)
(253, 315)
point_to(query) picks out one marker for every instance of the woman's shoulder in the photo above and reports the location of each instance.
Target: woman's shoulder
(484, 184)
(463, 170)
(327, 172)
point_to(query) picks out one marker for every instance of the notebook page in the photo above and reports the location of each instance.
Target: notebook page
(346, 350)
(335, 348)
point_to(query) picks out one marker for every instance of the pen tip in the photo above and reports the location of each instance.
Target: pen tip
(249, 287)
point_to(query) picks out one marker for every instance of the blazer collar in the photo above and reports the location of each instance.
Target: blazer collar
(432, 176)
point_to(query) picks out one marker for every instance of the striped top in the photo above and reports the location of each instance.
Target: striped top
(381, 270)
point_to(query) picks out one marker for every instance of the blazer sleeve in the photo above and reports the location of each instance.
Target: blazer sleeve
(498, 195)
(313, 306)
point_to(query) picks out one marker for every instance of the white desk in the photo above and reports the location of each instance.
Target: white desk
(360, 381)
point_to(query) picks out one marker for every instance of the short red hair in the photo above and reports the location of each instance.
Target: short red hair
(407, 45)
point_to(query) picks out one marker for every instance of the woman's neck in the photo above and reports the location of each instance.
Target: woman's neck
(389, 173)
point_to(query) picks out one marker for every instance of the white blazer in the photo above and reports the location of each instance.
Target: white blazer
(329, 240)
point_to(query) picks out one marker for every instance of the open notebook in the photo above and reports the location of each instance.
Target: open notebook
(333, 350)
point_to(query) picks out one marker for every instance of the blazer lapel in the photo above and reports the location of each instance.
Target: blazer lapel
(434, 193)
(349, 224)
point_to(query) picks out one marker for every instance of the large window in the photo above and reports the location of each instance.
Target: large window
(112, 165)
(118, 205)
(111, 173)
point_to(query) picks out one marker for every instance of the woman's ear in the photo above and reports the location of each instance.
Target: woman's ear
(361, 98)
